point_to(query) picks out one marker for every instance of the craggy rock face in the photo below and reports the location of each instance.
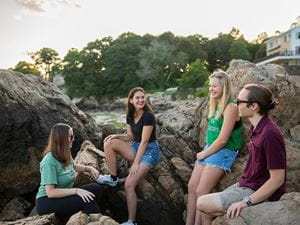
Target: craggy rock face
(29, 107)
(285, 90)
(181, 134)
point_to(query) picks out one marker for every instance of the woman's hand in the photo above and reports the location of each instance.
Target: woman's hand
(201, 155)
(110, 137)
(85, 195)
(133, 169)
(94, 173)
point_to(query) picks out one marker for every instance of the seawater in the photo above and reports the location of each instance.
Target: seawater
(118, 119)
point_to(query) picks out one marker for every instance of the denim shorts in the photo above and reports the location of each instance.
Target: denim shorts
(151, 155)
(233, 193)
(223, 159)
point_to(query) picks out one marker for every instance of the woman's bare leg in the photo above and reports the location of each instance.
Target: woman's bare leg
(209, 178)
(192, 198)
(114, 147)
(131, 182)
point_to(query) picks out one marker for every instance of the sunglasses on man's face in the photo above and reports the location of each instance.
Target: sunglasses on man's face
(238, 101)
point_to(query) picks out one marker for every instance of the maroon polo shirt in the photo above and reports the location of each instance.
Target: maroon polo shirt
(266, 152)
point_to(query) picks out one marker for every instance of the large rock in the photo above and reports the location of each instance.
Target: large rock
(49, 219)
(286, 211)
(29, 107)
(182, 129)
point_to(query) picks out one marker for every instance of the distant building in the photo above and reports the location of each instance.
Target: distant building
(284, 49)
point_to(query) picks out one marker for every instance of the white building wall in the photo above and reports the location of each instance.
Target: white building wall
(295, 41)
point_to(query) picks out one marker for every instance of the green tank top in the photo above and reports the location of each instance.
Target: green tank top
(214, 128)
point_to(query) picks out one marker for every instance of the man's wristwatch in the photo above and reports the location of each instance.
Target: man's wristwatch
(247, 200)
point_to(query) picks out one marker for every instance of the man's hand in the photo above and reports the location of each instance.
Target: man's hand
(234, 209)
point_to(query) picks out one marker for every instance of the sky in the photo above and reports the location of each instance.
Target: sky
(29, 25)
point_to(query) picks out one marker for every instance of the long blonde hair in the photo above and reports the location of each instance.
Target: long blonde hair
(58, 143)
(226, 94)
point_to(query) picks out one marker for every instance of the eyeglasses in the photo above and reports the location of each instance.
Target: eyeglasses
(238, 101)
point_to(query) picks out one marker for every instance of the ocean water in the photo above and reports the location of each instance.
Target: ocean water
(118, 119)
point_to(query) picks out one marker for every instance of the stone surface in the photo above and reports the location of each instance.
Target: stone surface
(29, 107)
(181, 134)
(286, 211)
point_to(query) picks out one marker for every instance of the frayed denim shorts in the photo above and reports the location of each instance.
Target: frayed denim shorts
(152, 153)
(223, 159)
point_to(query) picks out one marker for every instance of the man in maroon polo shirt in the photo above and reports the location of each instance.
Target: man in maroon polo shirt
(264, 176)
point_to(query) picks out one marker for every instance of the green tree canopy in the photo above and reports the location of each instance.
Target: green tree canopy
(46, 59)
(159, 65)
(238, 50)
(27, 68)
(194, 75)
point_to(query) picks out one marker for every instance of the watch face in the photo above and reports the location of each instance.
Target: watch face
(247, 200)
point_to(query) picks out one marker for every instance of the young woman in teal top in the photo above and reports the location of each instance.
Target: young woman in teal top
(223, 139)
(56, 193)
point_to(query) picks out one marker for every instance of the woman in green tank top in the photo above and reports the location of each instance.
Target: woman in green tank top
(223, 139)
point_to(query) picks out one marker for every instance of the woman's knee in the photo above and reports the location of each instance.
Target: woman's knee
(92, 187)
(109, 145)
(129, 186)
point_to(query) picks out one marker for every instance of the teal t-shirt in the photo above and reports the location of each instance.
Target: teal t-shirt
(53, 172)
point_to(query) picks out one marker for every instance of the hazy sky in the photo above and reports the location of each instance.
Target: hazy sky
(29, 25)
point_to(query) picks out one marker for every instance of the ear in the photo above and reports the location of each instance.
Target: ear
(255, 107)
(130, 101)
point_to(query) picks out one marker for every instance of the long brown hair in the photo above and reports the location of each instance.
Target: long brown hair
(129, 106)
(226, 94)
(58, 143)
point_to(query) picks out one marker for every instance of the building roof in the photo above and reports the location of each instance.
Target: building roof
(293, 26)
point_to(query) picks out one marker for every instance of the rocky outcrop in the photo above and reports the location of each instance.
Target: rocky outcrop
(93, 219)
(286, 211)
(159, 101)
(29, 107)
(48, 219)
(77, 219)
(181, 131)
(15, 209)
(88, 103)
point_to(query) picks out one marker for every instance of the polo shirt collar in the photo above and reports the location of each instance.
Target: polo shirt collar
(259, 126)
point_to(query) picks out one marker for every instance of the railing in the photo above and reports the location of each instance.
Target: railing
(284, 53)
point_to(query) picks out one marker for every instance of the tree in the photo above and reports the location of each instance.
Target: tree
(46, 59)
(26, 68)
(238, 50)
(121, 61)
(261, 52)
(192, 46)
(194, 75)
(218, 56)
(159, 65)
(84, 70)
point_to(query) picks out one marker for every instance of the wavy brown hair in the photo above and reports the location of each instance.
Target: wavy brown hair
(129, 106)
(58, 143)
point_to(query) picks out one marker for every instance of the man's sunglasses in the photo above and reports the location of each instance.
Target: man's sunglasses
(238, 101)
